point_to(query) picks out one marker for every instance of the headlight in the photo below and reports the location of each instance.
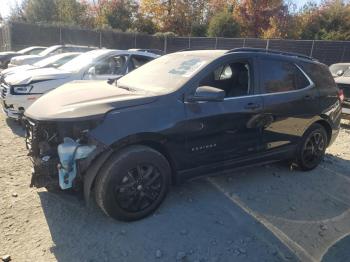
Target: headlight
(22, 89)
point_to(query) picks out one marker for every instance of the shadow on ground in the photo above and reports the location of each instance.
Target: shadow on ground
(195, 223)
(16, 127)
(311, 208)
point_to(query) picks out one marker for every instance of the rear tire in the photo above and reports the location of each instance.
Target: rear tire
(312, 148)
(133, 183)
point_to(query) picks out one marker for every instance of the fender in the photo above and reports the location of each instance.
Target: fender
(92, 172)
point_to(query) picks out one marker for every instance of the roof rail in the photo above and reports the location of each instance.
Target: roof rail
(268, 51)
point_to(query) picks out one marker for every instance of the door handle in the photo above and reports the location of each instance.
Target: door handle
(252, 106)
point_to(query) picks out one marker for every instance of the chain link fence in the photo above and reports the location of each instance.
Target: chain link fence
(16, 36)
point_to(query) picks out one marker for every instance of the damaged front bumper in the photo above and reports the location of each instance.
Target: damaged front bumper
(69, 152)
(59, 161)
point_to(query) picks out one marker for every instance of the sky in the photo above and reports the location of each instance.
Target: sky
(5, 5)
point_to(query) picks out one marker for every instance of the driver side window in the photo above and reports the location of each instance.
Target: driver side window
(111, 66)
(233, 78)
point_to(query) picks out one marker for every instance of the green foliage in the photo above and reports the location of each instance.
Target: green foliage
(41, 11)
(165, 34)
(144, 25)
(199, 30)
(329, 20)
(223, 25)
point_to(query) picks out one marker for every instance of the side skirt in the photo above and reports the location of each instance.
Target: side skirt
(276, 155)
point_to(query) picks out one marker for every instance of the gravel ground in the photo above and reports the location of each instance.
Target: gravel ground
(268, 213)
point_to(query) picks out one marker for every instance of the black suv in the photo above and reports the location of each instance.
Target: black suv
(180, 116)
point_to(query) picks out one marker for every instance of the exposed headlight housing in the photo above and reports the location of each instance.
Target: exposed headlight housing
(22, 89)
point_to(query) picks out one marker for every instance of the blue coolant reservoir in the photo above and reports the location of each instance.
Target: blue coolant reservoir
(69, 152)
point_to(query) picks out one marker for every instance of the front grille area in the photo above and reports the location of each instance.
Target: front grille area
(346, 90)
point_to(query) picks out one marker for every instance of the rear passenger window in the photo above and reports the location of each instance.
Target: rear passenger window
(320, 75)
(280, 76)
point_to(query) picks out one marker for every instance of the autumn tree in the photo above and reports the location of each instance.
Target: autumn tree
(257, 17)
(330, 21)
(223, 25)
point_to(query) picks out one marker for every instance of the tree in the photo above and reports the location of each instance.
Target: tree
(223, 25)
(41, 11)
(256, 19)
(144, 25)
(117, 14)
(330, 21)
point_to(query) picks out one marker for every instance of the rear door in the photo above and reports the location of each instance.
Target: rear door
(290, 102)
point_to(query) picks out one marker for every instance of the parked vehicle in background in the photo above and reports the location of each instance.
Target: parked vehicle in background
(180, 116)
(52, 50)
(5, 57)
(52, 61)
(343, 83)
(20, 90)
(339, 69)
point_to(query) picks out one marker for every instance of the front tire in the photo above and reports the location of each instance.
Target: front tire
(312, 147)
(133, 183)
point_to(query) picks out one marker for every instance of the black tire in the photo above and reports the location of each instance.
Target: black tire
(133, 183)
(312, 148)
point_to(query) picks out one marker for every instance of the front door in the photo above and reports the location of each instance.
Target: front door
(109, 68)
(226, 130)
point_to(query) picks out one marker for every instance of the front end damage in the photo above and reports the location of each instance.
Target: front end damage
(61, 152)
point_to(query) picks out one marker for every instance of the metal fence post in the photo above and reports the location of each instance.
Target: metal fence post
(61, 35)
(312, 48)
(216, 43)
(343, 53)
(189, 42)
(165, 39)
(135, 43)
(244, 42)
(100, 39)
(267, 44)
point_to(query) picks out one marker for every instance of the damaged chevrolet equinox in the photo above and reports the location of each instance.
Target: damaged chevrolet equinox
(180, 116)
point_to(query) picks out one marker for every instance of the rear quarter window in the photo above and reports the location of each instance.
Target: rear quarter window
(320, 75)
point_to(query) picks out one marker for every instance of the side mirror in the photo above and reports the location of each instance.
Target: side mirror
(340, 72)
(207, 94)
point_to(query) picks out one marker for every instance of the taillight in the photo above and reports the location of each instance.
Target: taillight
(341, 95)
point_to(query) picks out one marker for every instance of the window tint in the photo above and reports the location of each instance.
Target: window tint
(111, 66)
(279, 76)
(320, 75)
(137, 61)
(233, 78)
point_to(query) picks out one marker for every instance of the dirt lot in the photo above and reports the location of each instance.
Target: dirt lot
(265, 213)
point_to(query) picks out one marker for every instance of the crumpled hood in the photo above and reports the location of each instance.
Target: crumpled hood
(36, 75)
(84, 100)
(6, 53)
(16, 69)
(26, 57)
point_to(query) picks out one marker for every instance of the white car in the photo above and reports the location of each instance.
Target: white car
(50, 51)
(52, 61)
(19, 91)
(339, 69)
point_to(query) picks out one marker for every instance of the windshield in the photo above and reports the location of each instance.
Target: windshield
(49, 50)
(168, 73)
(338, 69)
(25, 50)
(80, 62)
(56, 59)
